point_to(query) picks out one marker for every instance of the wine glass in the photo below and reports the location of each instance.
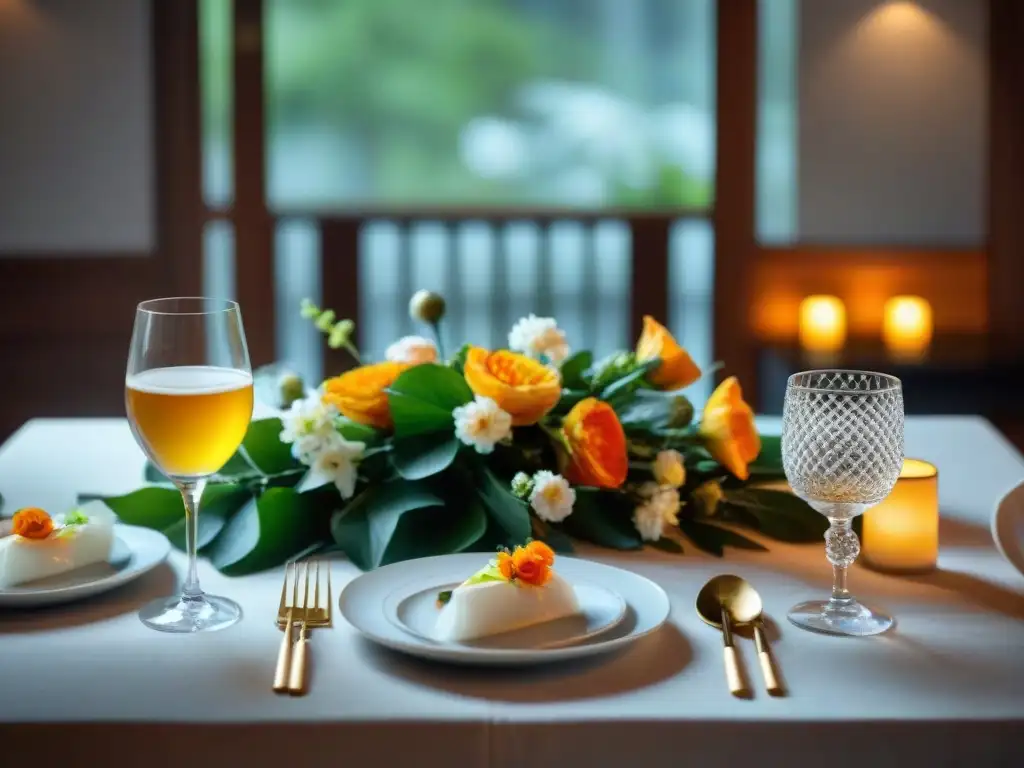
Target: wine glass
(189, 397)
(842, 450)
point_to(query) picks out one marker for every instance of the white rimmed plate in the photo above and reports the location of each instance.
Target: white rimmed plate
(1008, 527)
(135, 552)
(371, 601)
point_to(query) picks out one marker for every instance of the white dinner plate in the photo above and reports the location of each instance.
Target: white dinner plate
(371, 602)
(136, 550)
(1008, 527)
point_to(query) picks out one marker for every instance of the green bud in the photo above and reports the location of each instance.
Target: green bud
(309, 310)
(427, 307)
(341, 334)
(326, 320)
(290, 388)
(522, 485)
(682, 412)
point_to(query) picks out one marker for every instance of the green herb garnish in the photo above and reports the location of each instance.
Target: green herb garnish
(443, 598)
(76, 517)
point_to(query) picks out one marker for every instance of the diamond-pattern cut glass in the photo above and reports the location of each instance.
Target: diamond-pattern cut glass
(842, 436)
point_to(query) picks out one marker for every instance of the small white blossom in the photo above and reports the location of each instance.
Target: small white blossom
(669, 469)
(481, 424)
(413, 350)
(522, 485)
(660, 506)
(337, 464)
(552, 497)
(539, 336)
(308, 425)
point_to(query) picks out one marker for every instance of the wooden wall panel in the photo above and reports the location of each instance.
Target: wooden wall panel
(955, 282)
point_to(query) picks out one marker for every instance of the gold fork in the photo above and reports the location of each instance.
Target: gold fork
(290, 673)
(297, 677)
(285, 620)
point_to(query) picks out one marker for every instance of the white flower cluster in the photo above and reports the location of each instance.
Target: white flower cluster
(552, 498)
(482, 424)
(660, 506)
(538, 337)
(414, 350)
(309, 426)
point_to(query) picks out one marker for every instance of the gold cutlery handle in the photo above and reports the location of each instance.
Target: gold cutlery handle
(297, 679)
(768, 671)
(284, 660)
(732, 672)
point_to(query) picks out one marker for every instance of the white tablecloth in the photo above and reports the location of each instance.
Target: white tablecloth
(946, 687)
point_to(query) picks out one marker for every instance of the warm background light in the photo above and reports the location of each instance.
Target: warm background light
(907, 328)
(902, 533)
(822, 324)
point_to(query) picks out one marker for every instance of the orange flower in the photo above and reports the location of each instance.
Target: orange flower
(542, 551)
(32, 523)
(728, 427)
(360, 393)
(531, 567)
(597, 444)
(521, 387)
(677, 368)
(506, 565)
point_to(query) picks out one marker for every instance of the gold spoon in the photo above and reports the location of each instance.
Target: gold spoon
(728, 600)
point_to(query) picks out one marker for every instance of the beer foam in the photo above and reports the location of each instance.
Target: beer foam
(189, 380)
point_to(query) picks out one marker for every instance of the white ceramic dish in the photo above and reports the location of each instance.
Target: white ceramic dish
(135, 552)
(373, 604)
(1008, 527)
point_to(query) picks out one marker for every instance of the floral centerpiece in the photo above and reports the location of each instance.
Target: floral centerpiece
(420, 455)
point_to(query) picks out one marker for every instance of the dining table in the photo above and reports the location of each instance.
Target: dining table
(86, 683)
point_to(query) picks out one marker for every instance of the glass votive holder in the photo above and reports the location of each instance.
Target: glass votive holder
(901, 535)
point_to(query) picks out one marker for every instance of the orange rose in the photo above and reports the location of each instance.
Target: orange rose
(597, 444)
(677, 368)
(728, 427)
(521, 387)
(360, 393)
(541, 550)
(530, 567)
(32, 523)
(506, 565)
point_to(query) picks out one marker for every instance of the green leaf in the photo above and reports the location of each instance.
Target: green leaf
(158, 508)
(506, 510)
(568, 399)
(603, 517)
(359, 433)
(432, 531)
(573, 368)
(266, 532)
(364, 529)
(778, 514)
(630, 382)
(558, 540)
(458, 361)
(713, 538)
(153, 475)
(667, 545)
(422, 399)
(264, 448)
(769, 461)
(648, 410)
(418, 457)
(218, 504)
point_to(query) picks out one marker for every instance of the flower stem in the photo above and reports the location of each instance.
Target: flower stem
(436, 327)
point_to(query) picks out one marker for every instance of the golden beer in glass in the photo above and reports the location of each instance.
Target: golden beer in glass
(189, 398)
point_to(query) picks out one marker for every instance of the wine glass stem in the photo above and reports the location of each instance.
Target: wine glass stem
(191, 493)
(842, 547)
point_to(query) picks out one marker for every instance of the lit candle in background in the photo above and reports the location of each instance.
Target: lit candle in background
(902, 533)
(822, 325)
(907, 328)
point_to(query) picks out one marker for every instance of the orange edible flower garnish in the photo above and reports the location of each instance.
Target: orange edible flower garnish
(542, 550)
(506, 566)
(521, 387)
(32, 523)
(531, 568)
(597, 444)
(360, 393)
(677, 368)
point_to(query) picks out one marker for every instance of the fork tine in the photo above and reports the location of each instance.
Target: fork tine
(295, 585)
(284, 593)
(316, 590)
(305, 588)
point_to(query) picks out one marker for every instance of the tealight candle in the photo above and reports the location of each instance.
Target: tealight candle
(822, 324)
(902, 533)
(907, 328)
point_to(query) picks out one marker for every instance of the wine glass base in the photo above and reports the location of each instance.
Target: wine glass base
(202, 613)
(849, 620)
